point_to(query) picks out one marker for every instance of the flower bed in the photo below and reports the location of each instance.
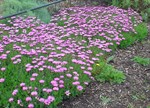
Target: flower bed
(42, 64)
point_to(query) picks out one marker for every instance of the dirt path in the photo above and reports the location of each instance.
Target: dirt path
(133, 93)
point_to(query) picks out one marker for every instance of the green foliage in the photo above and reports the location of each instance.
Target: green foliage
(115, 2)
(95, 3)
(109, 74)
(141, 60)
(105, 100)
(131, 37)
(14, 6)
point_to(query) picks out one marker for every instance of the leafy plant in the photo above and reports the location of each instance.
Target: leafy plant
(105, 100)
(110, 74)
(130, 105)
(141, 60)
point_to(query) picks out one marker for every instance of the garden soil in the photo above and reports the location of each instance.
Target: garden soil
(133, 93)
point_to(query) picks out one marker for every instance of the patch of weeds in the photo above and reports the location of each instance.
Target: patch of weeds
(141, 60)
(137, 96)
(130, 105)
(109, 74)
(105, 100)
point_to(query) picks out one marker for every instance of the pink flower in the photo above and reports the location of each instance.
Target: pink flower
(47, 102)
(34, 75)
(76, 83)
(2, 80)
(11, 99)
(61, 76)
(55, 88)
(76, 73)
(19, 101)
(13, 58)
(67, 93)
(41, 69)
(30, 106)
(7, 52)
(28, 99)
(82, 67)
(86, 83)
(87, 72)
(41, 99)
(49, 90)
(30, 87)
(80, 88)
(44, 89)
(61, 81)
(51, 98)
(18, 60)
(69, 75)
(3, 69)
(41, 81)
(24, 88)
(14, 92)
(28, 69)
(56, 79)
(34, 93)
(22, 84)
(54, 82)
(61, 86)
(76, 78)
(71, 67)
(32, 79)
(90, 68)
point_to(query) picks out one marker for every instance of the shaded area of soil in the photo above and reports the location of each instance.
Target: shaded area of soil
(133, 93)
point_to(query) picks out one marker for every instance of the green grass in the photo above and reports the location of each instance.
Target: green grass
(141, 60)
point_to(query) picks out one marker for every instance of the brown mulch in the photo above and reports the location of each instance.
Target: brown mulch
(133, 93)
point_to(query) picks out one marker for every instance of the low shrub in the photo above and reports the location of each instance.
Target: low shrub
(107, 73)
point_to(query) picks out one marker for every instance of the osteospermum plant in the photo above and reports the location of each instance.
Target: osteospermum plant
(42, 64)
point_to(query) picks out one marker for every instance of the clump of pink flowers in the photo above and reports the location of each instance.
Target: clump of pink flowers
(55, 59)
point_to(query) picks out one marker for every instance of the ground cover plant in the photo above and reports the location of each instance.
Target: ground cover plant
(141, 60)
(42, 64)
